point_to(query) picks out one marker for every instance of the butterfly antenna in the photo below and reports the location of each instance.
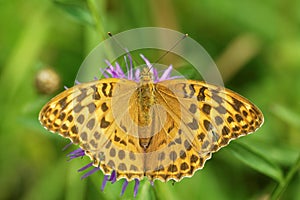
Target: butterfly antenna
(170, 49)
(161, 57)
(119, 44)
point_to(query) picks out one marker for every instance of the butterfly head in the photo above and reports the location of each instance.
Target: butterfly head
(146, 75)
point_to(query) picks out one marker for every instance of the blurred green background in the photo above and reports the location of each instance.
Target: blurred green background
(256, 45)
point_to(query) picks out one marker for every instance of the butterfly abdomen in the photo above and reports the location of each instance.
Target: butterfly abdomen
(146, 100)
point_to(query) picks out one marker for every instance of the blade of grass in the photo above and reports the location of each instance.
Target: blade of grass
(164, 191)
(279, 190)
(22, 58)
(257, 161)
(51, 185)
(76, 11)
(286, 115)
(94, 9)
(75, 188)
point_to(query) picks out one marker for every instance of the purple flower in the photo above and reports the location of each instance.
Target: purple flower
(117, 72)
(132, 74)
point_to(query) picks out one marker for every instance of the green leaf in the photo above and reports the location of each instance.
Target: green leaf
(146, 191)
(256, 160)
(75, 188)
(51, 185)
(77, 11)
(279, 190)
(164, 191)
(287, 115)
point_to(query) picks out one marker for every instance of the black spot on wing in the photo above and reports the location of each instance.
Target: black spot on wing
(104, 86)
(92, 107)
(192, 89)
(110, 90)
(221, 109)
(207, 125)
(104, 123)
(82, 95)
(104, 107)
(63, 102)
(237, 104)
(194, 124)
(216, 97)
(96, 95)
(206, 108)
(201, 94)
(193, 108)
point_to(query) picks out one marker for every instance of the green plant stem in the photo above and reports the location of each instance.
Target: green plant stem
(95, 9)
(164, 191)
(282, 187)
(92, 5)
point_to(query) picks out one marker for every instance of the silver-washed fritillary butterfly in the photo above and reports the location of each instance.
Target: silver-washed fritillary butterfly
(162, 130)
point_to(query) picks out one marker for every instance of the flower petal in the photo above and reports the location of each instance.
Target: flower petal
(110, 69)
(149, 65)
(85, 167)
(119, 71)
(152, 183)
(103, 71)
(137, 75)
(113, 177)
(166, 74)
(104, 182)
(136, 187)
(130, 62)
(129, 69)
(124, 187)
(76, 153)
(68, 145)
(110, 66)
(155, 75)
(77, 82)
(90, 172)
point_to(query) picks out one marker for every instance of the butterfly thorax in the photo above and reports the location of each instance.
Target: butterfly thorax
(146, 97)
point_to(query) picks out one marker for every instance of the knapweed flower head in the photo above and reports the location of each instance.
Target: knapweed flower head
(134, 74)
(116, 71)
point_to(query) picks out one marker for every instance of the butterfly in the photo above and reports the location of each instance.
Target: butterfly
(162, 130)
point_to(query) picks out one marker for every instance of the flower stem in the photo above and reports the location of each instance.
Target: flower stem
(164, 191)
(94, 9)
(281, 187)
